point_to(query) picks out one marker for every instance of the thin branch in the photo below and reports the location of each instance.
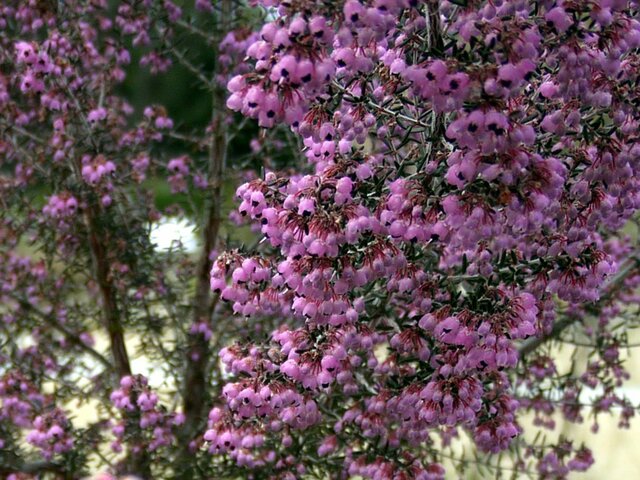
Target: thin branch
(69, 335)
(101, 264)
(196, 31)
(109, 303)
(26, 133)
(372, 104)
(32, 468)
(184, 138)
(185, 62)
(531, 344)
(594, 345)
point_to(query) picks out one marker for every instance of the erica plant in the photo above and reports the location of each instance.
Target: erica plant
(437, 195)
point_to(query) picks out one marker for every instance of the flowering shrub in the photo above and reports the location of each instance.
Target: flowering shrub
(434, 199)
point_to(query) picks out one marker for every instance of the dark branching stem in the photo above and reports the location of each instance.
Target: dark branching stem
(72, 337)
(35, 468)
(609, 291)
(435, 40)
(531, 344)
(137, 461)
(100, 259)
(435, 44)
(111, 312)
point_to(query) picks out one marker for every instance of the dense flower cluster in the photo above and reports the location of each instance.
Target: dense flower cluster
(18, 399)
(61, 205)
(24, 406)
(469, 163)
(50, 434)
(135, 398)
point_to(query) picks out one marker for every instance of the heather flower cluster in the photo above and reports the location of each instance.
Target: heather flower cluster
(431, 195)
(135, 399)
(24, 406)
(468, 165)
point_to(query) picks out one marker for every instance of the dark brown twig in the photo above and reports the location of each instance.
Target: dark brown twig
(610, 289)
(68, 334)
